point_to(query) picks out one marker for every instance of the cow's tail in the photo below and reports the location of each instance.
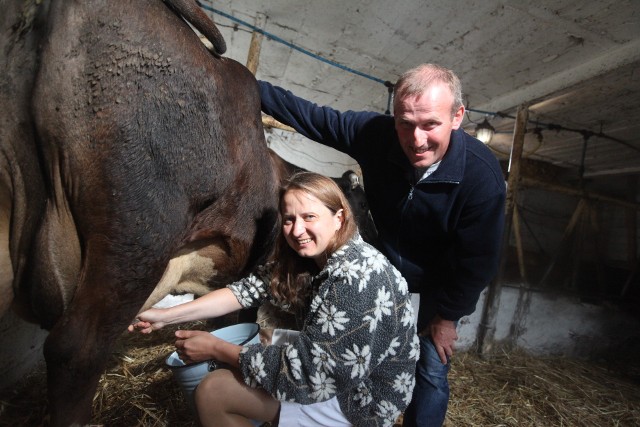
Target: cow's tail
(192, 13)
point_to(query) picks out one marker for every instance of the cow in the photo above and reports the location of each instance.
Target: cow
(353, 189)
(123, 142)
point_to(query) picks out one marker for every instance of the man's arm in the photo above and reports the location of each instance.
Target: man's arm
(320, 124)
(478, 239)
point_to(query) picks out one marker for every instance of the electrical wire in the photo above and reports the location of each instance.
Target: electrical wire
(289, 44)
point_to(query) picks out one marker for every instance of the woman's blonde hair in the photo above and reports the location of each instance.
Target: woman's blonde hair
(292, 273)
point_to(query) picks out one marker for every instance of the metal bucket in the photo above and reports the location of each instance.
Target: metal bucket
(189, 376)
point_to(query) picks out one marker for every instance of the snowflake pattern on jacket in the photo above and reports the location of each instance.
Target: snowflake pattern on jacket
(358, 341)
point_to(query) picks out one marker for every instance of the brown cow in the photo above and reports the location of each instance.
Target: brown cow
(123, 141)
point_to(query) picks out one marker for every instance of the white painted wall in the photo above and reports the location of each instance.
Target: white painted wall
(310, 155)
(554, 325)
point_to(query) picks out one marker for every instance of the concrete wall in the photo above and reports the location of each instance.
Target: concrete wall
(556, 325)
(298, 150)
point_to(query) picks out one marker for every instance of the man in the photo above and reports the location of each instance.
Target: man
(437, 198)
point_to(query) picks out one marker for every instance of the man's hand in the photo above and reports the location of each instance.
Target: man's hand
(443, 333)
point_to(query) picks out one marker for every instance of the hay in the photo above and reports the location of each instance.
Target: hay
(137, 389)
(515, 389)
(511, 389)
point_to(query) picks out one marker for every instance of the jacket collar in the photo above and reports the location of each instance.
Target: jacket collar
(452, 167)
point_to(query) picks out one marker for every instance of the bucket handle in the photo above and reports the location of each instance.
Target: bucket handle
(252, 336)
(214, 364)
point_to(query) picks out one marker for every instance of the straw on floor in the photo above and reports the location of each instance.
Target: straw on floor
(509, 389)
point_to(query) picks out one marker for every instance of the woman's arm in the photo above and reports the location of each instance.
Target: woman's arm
(196, 346)
(214, 304)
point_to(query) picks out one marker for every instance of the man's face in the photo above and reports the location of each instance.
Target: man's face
(424, 124)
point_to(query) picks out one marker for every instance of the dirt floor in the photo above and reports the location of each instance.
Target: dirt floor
(511, 389)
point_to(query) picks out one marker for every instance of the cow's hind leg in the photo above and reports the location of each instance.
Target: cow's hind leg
(70, 369)
(6, 278)
(76, 352)
(79, 345)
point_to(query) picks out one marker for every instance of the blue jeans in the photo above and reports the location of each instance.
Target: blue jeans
(428, 405)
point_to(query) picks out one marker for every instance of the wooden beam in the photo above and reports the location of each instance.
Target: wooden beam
(253, 60)
(486, 331)
(270, 122)
(517, 233)
(582, 204)
(532, 182)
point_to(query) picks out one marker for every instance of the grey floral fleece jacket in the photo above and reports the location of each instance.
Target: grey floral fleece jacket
(358, 341)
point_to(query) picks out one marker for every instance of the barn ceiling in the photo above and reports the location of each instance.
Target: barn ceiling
(575, 64)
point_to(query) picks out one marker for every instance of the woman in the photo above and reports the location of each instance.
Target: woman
(353, 362)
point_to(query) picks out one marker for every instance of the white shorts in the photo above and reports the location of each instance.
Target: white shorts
(323, 414)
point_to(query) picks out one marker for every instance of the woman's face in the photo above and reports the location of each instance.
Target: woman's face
(308, 225)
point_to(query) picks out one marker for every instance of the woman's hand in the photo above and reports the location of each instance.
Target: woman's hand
(195, 346)
(148, 321)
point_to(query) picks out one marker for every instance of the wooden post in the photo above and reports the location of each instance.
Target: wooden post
(631, 222)
(531, 182)
(486, 331)
(632, 235)
(253, 59)
(517, 233)
(582, 204)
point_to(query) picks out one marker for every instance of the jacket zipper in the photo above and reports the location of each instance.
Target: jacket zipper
(400, 257)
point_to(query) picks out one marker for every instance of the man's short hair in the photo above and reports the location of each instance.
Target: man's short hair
(417, 80)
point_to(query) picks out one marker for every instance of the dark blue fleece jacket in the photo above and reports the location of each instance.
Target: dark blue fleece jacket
(444, 232)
